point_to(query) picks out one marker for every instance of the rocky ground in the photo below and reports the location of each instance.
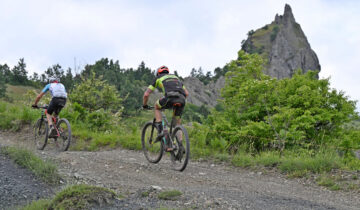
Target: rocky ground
(19, 186)
(203, 184)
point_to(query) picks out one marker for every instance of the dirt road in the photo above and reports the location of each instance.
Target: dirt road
(203, 184)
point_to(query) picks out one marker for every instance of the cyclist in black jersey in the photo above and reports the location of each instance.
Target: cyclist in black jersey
(175, 95)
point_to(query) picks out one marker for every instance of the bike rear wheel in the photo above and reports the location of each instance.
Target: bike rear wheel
(64, 139)
(41, 134)
(180, 140)
(152, 148)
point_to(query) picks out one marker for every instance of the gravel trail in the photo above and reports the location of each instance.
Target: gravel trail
(19, 186)
(203, 184)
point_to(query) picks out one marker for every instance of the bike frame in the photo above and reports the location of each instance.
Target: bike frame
(55, 119)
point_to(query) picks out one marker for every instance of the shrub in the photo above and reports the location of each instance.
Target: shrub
(265, 113)
(94, 94)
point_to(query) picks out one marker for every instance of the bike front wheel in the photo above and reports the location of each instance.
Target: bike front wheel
(41, 133)
(181, 154)
(152, 147)
(64, 139)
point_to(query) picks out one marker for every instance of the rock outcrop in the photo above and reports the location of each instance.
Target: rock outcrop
(283, 45)
(203, 94)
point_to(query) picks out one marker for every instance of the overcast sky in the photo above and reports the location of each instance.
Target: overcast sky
(180, 34)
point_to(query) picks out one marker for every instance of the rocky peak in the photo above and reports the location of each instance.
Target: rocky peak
(284, 45)
(288, 16)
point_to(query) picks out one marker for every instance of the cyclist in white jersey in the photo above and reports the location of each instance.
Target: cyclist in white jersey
(58, 101)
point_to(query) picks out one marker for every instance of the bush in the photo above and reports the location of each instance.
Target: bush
(99, 120)
(263, 113)
(13, 117)
(76, 197)
(94, 94)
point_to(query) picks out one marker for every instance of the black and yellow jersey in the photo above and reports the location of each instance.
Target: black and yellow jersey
(168, 83)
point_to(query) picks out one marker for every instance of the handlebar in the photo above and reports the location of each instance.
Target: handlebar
(148, 108)
(39, 107)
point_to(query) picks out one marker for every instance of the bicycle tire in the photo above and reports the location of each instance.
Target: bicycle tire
(41, 133)
(153, 151)
(65, 134)
(178, 158)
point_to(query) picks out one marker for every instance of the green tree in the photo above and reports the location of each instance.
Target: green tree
(54, 71)
(68, 80)
(19, 73)
(130, 83)
(2, 84)
(95, 94)
(6, 72)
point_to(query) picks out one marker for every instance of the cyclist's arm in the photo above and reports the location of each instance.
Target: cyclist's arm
(39, 97)
(186, 93)
(46, 89)
(146, 96)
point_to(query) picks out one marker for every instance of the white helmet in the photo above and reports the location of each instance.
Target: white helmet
(54, 79)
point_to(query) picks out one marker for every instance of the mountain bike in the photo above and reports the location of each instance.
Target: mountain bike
(177, 139)
(61, 135)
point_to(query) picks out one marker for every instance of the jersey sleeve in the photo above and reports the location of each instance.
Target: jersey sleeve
(46, 88)
(153, 85)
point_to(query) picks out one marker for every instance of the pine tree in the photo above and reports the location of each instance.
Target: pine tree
(19, 73)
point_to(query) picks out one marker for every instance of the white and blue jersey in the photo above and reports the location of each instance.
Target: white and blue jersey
(56, 90)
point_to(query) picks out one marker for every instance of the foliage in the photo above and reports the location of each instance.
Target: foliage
(95, 94)
(76, 197)
(2, 84)
(274, 33)
(38, 204)
(193, 113)
(14, 116)
(100, 120)
(130, 83)
(204, 78)
(19, 73)
(45, 170)
(265, 113)
(169, 195)
(81, 197)
(251, 32)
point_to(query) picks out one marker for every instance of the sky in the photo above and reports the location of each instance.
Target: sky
(182, 34)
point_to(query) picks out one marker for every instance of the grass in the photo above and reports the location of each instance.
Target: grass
(43, 169)
(328, 182)
(13, 117)
(36, 205)
(17, 92)
(75, 197)
(293, 163)
(169, 195)
(261, 37)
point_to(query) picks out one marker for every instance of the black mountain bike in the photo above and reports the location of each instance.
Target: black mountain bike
(177, 139)
(61, 136)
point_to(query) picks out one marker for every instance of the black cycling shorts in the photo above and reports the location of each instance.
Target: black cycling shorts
(56, 104)
(177, 103)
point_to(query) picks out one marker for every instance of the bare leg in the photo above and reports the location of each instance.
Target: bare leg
(179, 134)
(49, 118)
(158, 116)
